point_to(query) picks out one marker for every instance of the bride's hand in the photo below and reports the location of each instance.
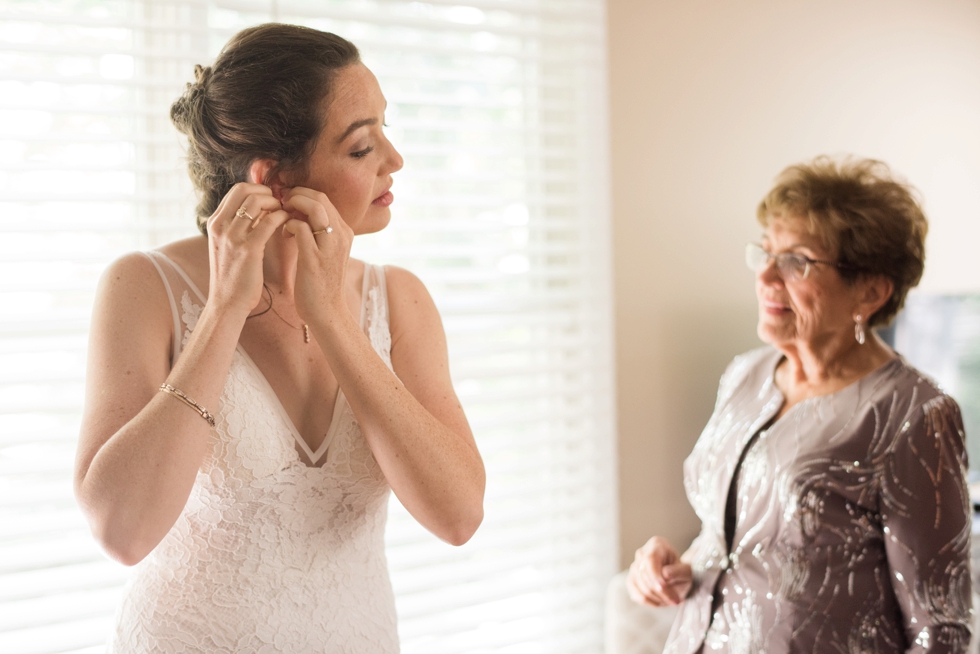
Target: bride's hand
(238, 231)
(324, 242)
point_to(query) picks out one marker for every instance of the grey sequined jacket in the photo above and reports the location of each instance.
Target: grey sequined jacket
(853, 519)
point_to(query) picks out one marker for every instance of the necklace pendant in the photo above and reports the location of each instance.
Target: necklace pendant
(306, 332)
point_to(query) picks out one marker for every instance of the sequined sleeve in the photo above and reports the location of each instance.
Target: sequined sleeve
(926, 518)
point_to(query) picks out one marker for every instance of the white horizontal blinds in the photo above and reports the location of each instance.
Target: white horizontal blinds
(89, 169)
(498, 108)
(501, 210)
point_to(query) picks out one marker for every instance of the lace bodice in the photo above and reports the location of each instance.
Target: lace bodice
(279, 548)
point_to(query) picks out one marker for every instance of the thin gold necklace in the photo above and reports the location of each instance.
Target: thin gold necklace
(305, 327)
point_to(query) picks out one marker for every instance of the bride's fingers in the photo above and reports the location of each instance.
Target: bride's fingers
(316, 206)
(315, 211)
(317, 196)
(300, 230)
(251, 213)
(224, 215)
(220, 208)
(264, 229)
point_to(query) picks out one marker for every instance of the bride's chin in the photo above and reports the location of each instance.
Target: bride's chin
(372, 222)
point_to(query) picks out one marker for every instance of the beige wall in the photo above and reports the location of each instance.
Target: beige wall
(709, 100)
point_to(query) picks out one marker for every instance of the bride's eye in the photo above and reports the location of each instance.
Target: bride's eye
(361, 153)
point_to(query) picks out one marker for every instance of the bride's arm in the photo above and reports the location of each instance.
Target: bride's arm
(411, 418)
(139, 449)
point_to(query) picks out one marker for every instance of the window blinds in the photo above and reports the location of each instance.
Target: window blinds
(498, 107)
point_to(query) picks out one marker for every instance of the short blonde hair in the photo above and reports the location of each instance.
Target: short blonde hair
(860, 211)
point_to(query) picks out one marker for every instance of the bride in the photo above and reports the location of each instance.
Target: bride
(253, 393)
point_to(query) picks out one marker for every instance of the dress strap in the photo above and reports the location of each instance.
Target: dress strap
(374, 311)
(175, 345)
(180, 288)
(202, 298)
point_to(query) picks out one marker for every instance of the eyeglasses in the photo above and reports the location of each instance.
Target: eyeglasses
(791, 266)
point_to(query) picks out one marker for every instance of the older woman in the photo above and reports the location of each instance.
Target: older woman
(830, 480)
(254, 393)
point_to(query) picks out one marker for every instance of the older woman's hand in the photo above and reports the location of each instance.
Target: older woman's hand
(657, 576)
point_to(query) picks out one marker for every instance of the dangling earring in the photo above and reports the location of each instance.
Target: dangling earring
(859, 329)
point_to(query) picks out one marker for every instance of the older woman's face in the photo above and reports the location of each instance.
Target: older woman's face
(806, 312)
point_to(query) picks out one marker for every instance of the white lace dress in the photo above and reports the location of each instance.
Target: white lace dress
(276, 550)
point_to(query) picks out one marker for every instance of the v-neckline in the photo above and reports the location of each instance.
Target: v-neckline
(338, 406)
(340, 399)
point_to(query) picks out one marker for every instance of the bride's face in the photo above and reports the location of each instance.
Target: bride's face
(353, 160)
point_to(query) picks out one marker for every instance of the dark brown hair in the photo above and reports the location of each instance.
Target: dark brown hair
(859, 210)
(262, 99)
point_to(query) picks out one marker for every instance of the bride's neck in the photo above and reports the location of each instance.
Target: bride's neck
(279, 264)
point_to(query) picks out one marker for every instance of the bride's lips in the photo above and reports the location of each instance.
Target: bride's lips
(384, 199)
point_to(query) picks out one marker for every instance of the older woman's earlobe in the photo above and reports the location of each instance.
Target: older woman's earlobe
(877, 291)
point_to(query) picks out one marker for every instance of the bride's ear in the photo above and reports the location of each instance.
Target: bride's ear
(264, 171)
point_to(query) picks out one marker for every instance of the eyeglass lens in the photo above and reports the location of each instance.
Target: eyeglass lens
(790, 266)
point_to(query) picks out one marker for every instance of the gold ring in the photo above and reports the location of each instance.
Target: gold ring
(241, 213)
(325, 230)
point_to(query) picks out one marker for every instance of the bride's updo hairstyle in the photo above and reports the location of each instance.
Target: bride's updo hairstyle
(262, 99)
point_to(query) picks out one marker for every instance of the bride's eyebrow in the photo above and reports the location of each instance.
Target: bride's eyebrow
(353, 126)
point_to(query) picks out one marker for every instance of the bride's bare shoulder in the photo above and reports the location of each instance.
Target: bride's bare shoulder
(410, 307)
(191, 254)
(404, 284)
(135, 275)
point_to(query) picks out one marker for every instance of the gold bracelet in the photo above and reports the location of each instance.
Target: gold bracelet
(179, 394)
